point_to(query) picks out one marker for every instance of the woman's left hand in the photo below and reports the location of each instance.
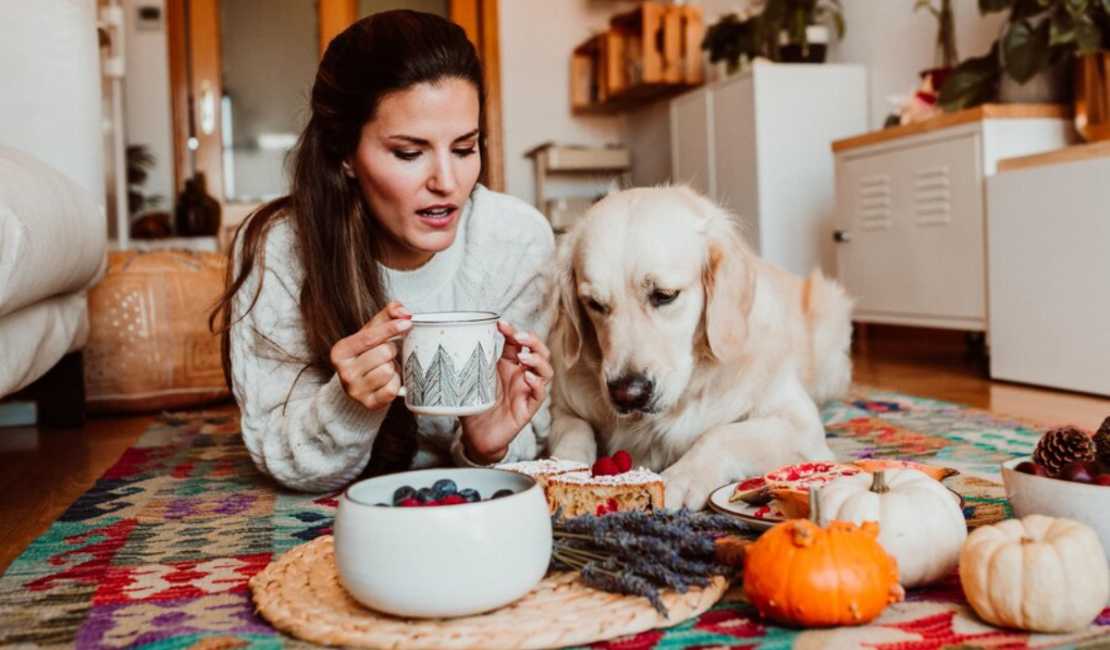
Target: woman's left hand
(523, 371)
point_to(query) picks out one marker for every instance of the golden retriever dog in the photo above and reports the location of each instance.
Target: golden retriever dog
(675, 342)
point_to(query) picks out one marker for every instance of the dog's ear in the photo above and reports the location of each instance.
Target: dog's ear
(729, 281)
(570, 309)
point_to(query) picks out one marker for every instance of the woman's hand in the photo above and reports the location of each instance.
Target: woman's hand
(523, 372)
(366, 361)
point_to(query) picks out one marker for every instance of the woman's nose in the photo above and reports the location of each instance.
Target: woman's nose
(443, 176)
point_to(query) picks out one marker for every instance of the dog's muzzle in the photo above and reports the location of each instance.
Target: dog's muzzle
(631, 393)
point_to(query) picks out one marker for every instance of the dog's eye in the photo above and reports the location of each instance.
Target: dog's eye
(594, 305)
(660, 297)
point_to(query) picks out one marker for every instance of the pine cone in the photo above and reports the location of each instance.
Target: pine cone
(1061, 446)
(1102, 442)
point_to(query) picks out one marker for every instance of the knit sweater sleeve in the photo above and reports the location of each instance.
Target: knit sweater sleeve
(299, 425)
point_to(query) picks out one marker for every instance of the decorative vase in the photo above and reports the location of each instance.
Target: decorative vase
(198, 212)
(814, 51)
(1092, 96)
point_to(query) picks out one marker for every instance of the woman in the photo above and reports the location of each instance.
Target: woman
(384, 219)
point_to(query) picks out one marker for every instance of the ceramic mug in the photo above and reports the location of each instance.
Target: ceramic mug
(448, 363)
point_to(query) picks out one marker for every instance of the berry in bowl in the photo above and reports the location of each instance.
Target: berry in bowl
(487, 544)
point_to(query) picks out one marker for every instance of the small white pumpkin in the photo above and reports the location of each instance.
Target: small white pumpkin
(920, 521)
(1038, 573)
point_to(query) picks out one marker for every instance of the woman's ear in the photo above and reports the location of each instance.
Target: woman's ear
(348, 169)
(729, 281)
(570, 309)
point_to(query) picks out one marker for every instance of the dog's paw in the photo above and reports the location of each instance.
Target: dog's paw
(688, 489)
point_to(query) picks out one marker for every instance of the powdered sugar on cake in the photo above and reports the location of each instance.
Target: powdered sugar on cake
(545, 467)
(640, 476)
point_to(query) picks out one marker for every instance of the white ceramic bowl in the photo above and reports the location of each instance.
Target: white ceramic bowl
(442, 561)
(1040, 495)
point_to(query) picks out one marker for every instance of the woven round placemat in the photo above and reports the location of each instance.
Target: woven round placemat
(300, 594)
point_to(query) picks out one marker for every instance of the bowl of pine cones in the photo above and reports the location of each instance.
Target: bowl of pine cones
(1068, 475)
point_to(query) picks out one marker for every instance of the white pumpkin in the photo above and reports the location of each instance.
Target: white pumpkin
(920, 521)
(1038, 573)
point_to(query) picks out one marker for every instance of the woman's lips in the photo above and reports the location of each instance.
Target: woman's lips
(439, 216)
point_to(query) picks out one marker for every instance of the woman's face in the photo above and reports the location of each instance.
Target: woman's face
(416, 163)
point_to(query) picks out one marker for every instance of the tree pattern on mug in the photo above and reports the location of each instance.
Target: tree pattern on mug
(442, 384)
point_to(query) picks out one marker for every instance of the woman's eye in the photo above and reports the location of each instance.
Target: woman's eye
(407, 155)
(463, 153)
(660, 297)
(596, 306)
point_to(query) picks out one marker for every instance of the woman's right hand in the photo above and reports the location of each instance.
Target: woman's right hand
(366, 361)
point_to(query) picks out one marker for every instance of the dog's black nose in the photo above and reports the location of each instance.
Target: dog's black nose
(631, 392)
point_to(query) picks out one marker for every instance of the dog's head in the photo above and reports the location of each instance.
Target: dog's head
(653, 281)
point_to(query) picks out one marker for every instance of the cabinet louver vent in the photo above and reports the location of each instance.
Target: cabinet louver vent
(931, 197)
(874, 202)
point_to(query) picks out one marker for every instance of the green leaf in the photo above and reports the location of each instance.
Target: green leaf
(973, 82)
(1076, 7)
(1088, 37)
(1064, 29)
(1106, 7)
(1025, 50)
(994, 6)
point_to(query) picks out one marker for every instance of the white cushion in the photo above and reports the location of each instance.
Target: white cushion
(53, 237)
(35, 338)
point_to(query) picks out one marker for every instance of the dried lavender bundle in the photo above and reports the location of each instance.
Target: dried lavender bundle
(638, 553)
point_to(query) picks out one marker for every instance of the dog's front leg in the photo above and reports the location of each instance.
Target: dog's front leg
(742, 449)
(572, 438)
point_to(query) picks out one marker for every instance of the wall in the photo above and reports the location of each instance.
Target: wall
(147, 96)
(537, 37)
(888, 36)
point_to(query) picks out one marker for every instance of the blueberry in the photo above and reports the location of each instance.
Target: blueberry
(425, 495)
(470, 495)
(502, 493)
(444, 488)
(402, 493)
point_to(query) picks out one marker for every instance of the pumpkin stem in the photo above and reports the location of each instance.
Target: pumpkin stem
(878, 485)
(814, 506)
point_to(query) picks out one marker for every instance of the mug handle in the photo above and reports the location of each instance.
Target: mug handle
(402, 391)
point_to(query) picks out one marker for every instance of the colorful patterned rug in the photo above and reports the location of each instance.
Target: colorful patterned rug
(157, 555)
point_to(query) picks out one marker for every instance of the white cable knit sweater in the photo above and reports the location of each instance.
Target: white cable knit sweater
(321, 439)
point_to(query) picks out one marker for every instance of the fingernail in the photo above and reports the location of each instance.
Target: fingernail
(404, 325)
(521, 337)
(502, 322)
(525, 355)
(529, 375)
(403, 313)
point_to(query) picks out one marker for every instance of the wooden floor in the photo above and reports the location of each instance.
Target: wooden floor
(43, 472)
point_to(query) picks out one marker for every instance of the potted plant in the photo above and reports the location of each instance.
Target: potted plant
(1038, 37)
(732, 39)
(791, 31)
(797, 31)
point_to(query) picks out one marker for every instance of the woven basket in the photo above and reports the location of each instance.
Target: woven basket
(300, 594)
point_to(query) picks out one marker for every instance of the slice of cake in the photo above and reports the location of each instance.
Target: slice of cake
(544, 469)
(581, 493)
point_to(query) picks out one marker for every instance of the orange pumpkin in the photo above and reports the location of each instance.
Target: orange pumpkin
(802, 575)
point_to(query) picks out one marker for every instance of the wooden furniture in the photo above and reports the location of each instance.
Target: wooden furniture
(758, 142)
(911, 211)
(1049, 269)
(579, 162)
(650, 51)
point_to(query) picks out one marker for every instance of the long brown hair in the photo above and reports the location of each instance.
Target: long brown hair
(338, 238)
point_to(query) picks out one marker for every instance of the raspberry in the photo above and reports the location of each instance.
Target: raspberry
(623, 461)
(605, 467)
(452, 500)
(409, 503)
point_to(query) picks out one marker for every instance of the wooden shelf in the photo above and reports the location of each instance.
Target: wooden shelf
(979, 113)
(649, 52)
(1074, 153)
